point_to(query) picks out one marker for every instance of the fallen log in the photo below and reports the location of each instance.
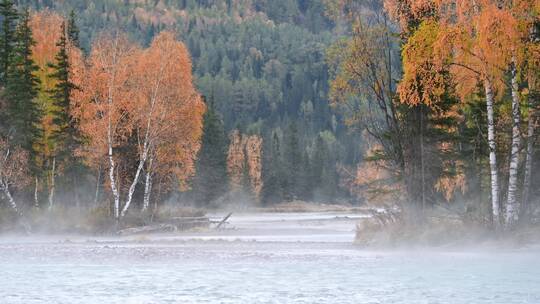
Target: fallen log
(224, 220)
(148, 229)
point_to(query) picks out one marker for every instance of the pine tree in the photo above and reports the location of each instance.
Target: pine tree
(293, 160)
(9, 17)
(73, 30)
(211, 169)
(24, 115)
(65, 133)
(272, 191)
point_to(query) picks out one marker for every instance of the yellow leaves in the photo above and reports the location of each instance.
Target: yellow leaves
(423, 79)
(449, 184)
(46, 30)
(411, 12)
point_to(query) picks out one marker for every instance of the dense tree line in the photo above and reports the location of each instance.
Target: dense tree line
(452, 94)
(79, 106)
(69, 118)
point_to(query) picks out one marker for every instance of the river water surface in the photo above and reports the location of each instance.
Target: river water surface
(260, 258)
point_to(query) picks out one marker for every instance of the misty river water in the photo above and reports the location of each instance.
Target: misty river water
(260, 258)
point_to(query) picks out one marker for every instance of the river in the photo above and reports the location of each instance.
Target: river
(260, 258)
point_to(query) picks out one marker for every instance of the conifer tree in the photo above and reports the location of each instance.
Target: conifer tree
(293, 160)
(211, 168)
(73, 30)
(272, 191)
(9, 17)
(65, 132)
(24, 115)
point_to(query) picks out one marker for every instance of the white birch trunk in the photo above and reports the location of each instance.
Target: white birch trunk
(36, 200)
(52, 184)
(511, 214)
(135, 181)
(112, 178)
(148, 186)
(12, 203)
(492, 155)
(146, 144)
(112, 165)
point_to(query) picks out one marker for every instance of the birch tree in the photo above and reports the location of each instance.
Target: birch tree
(105, 107)
(167, 108)
(143, 94)
(527, 12)
(13, 172)
(479, 36)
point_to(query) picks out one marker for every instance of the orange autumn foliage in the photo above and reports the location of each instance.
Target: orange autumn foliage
(147, 93)
(374, 181)
(106, 94)
(235, 160)
(169, 109)
(409, 13)
(245, 150)
(253, 146)
(480, 37)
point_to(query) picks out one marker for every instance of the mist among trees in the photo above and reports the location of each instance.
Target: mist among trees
(118, 108)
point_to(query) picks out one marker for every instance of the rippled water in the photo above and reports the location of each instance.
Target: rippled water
(180, 269)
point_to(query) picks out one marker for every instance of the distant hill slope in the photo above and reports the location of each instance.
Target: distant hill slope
(260, 62)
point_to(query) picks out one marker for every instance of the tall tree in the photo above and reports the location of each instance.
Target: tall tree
(144, 101)
(479, 38)
(73, 30)
(210, 181)
(65, 133)
(273, 175)
(293, 161)
(22, 87)
(9, 16)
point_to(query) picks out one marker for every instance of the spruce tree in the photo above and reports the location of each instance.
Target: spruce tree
(293, 161)
(73, 30)
(9, 16)
(273, 181)
(211, 169)
(21, 89)
(65, 132)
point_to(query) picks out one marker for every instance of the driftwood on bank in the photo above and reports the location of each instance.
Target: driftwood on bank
(148, 229)
(169, 225)
(224, 220)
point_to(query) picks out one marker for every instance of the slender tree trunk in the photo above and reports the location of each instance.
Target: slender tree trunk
(98, 183)
(148, 186)
(112, 178)
(422, 161)
(142, 161)
(511, 215)
(77, 196)
(12, 203)
(525, 204)
(492, 155)
(52, 184)
(36, 185)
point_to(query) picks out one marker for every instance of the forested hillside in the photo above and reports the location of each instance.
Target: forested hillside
(262, 66)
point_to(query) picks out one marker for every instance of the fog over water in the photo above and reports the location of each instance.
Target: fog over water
(261, 258)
